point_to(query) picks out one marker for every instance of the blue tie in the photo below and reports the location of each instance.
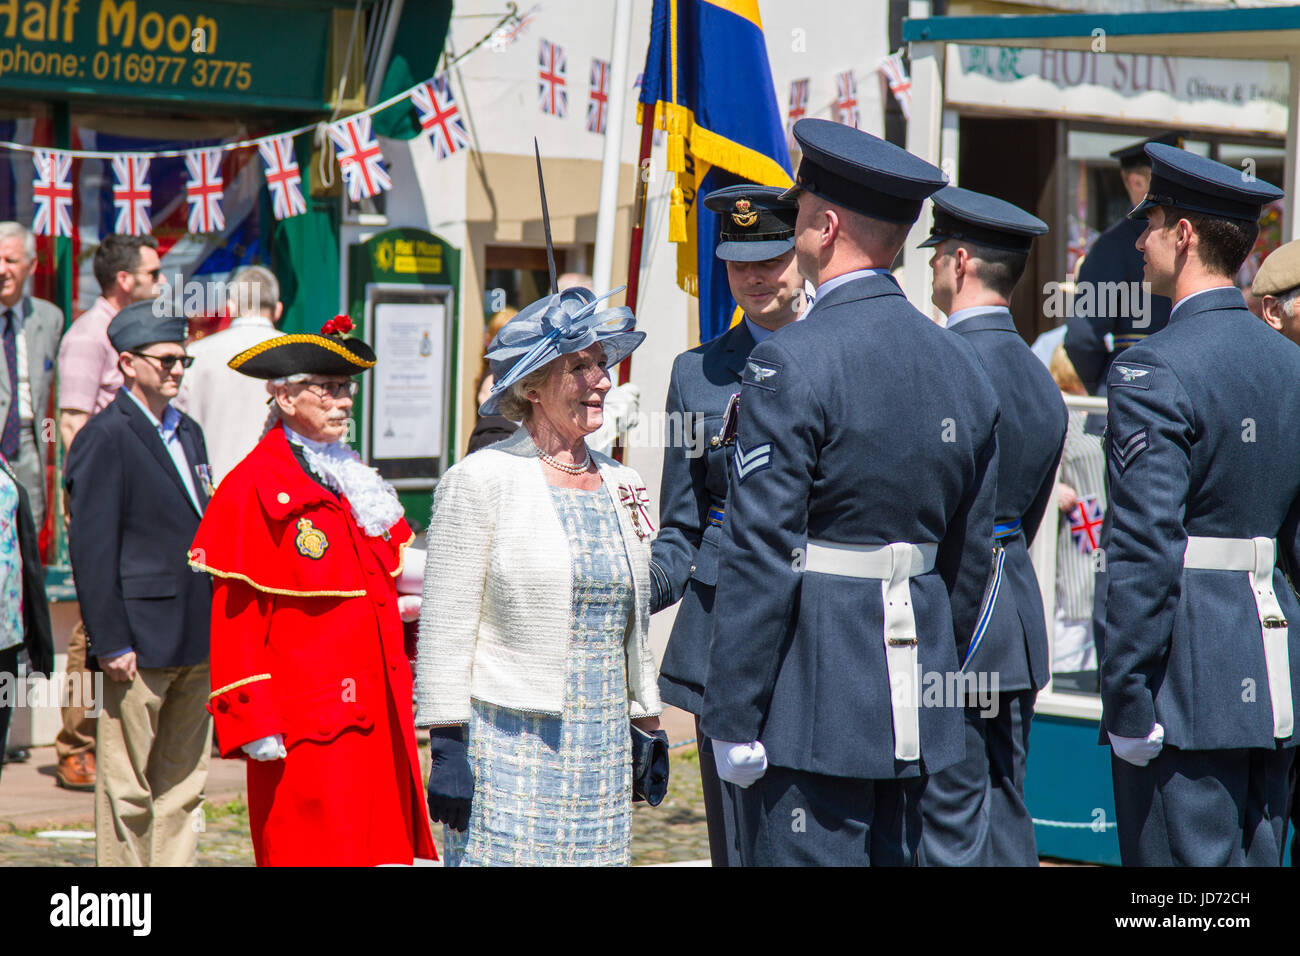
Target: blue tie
(13, 427)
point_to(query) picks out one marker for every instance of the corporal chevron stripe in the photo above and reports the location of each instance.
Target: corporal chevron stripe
(752, 461)
(1126, 452)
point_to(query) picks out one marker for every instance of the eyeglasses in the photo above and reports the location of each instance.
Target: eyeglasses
(165, 362)
(332, 390)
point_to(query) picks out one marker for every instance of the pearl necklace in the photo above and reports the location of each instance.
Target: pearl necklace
(567, 469)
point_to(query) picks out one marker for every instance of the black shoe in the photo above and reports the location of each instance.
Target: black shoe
(18, 755)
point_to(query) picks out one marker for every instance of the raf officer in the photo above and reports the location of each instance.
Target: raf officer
(1204, 465)
(1111, 274)
(757, 244)
(974, 811)
(855, 547)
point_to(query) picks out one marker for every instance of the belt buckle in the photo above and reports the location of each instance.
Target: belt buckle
(1274, 622)
(901, 641)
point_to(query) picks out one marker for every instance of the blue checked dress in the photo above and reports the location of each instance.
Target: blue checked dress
(557, 791)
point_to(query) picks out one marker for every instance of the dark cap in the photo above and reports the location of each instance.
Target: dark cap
(1134, 154)
(861, 172)
(330, 353)
(1197, 184)
(982, 220)
(137, 326)
(756, 223)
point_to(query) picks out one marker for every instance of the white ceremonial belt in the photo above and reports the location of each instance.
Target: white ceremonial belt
(892, 564)
(1257, 557)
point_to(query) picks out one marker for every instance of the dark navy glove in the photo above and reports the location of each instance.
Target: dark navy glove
(451, 781)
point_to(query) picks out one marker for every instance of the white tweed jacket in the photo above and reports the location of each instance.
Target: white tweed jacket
(498, 590)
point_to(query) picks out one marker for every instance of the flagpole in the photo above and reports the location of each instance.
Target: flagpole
(607, 211)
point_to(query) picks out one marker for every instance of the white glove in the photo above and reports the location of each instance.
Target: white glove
(408, 606)
(741, 764)
(267, 748)
(622, 411)
(410, 580)
(1139, 751)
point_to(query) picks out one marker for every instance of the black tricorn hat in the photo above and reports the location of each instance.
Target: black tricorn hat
(329, 353)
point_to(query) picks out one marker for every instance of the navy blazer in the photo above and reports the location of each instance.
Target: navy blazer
(1113, 258)
(1031, 434)
(865, 423)
(130, 529)
(1201, 440)
(685, 553)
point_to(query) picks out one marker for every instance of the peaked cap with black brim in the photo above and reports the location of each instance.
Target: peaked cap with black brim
(329, 353)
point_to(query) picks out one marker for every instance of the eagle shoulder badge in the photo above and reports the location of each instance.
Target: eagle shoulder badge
(311, 542)
(760, 373)
(745, 215)
(1130, 375)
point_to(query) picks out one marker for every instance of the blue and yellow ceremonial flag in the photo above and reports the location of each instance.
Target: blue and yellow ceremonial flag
(709, 82)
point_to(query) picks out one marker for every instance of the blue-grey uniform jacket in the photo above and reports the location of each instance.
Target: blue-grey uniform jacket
(693, 493)
(1113, 258)
(865, 423)
(1031, 433)
(1202, 439)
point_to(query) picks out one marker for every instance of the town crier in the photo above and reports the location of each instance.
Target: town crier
(307, 547)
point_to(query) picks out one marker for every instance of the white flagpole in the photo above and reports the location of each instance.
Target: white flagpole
(616, 109)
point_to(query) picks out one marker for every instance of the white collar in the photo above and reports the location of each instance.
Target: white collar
(252, 322)
(961, 315)
(838, 281)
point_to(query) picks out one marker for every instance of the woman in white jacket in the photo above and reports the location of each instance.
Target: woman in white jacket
(533, 652)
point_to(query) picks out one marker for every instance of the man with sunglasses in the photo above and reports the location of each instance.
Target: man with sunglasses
(128, 270)
(138, 482)
(307, 546)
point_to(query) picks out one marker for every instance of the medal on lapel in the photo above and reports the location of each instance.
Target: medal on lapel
(205, 476)
(637, 500)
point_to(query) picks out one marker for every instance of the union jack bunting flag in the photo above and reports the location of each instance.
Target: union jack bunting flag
(359, 157)
(895, 74)
(204, 191)
(52, 194)
(440, 116)
(282, 177)
(798, 103)
(846, 99)
(598, 104)
(551, 92)
(1085, 524)
(131, 195)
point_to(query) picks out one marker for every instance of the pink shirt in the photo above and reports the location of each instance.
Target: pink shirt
(88, 373)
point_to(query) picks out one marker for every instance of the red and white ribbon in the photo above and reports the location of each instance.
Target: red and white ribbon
(637, 500)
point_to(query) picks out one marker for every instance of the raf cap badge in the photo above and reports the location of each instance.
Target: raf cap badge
(311, 542)
(745, 215)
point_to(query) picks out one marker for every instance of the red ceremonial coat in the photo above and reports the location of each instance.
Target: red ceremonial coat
(307, 642)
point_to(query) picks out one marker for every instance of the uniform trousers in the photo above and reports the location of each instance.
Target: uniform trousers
(719, 805)
(29, 467)
(794, 818)
(1203, 807)
(77, 735)
(974, 811)
(154, 738)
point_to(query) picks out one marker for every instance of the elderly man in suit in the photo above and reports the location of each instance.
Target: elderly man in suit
(31, 328)
(138, 483)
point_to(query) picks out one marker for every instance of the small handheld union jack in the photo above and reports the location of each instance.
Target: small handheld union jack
(551, 92)
(204, 191)
(359, 157)
(895, 74)
(131, 195)
(1085, 524)
(798, 103)
(52, 194)
(283, 178)
(440, 116)
(846, 99)
(598, 104)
